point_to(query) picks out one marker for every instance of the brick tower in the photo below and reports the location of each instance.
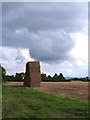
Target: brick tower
(32, 75)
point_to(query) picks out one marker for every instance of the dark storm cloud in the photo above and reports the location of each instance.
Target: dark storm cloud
(43, 16)
(51, 46)
(44, 28)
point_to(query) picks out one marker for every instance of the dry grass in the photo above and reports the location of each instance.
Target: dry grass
(72, 89)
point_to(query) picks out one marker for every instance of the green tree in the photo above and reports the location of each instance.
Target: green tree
(2, 73)
(61, 77)
(10, 78)
(55, 76)
(44, 77)
(18, 77)
(49, 77)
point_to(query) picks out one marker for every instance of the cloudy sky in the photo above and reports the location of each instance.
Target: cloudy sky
(56, 34)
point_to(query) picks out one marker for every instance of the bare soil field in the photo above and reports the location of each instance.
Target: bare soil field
(72, 89)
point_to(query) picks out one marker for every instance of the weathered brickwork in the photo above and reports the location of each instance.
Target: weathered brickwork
(32, 75)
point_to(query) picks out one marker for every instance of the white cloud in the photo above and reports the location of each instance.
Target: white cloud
(26, 55)
(14, 60)
(80, 51)
(67, 67)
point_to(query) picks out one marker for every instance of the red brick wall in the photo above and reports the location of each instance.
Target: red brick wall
(33, 75)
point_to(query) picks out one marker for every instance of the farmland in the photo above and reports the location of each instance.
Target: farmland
(72, 89)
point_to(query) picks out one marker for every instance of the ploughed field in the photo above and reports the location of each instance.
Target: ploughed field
(72, 89)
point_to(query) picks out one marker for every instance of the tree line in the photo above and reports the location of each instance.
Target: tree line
(3, 77)
(61, 78)
(54, 78)
(20, 77)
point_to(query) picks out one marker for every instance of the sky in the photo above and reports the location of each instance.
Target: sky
(56, 34)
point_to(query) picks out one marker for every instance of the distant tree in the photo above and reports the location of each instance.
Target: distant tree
(18, 77)
(44, 77)
(22, 75)
(87, 78)
(10, 78)
(2, 73)
(61, 77)
(49, 78)
(55, 77)
(77, 79)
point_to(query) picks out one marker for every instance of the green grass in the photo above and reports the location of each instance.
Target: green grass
(21, 102)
